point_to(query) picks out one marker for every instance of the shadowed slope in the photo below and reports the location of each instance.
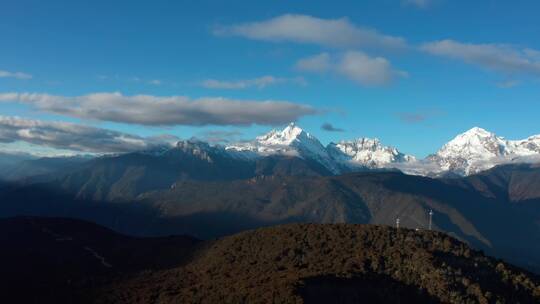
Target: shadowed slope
(309, 263)
(53, 260)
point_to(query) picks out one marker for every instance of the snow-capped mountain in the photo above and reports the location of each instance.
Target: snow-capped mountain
(368, 152)
(529, 146)
(478, 150)
(468, 153)
(293, 141)
(343, 156)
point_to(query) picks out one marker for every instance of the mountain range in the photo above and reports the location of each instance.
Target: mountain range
(471, 152)
(468, 153)
(208, 196)
(288, 176)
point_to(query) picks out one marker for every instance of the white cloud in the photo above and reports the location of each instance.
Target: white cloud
(318, 63)
(307, 29)
(498, 57)
(260, 82)
(16, 75)
(155, 82)
(367, 70)
(418, 167)
(164, 111)
(73, 137)
(354, 65)
(533, 54)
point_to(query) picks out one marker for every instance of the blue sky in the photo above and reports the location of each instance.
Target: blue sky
(412, 73)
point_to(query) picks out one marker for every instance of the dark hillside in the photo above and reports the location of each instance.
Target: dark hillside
(53, 260)
(308, 263)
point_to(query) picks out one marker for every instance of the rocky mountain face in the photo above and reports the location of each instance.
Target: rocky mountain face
(368, 152)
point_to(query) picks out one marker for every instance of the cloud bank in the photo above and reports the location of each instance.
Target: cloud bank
(164, 111)
(312, 30)
(75, 137)
(354, 65)
(498, 57)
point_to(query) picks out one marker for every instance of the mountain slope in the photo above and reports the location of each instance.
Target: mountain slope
(208, 209)
(332, 264)
(55, 260)
(44, 168)
(8, 161)
(128, 175)
(489, 223)
(125, 176)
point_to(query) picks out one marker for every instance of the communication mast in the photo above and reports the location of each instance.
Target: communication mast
(430, 218)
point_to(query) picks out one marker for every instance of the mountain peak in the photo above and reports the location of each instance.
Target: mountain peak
(292, 131)
(369, 152)
(368, 141)
(285, 137)
(477, 131)
(192, 142)
(472, 151)
(292, 124)
(474, 139)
